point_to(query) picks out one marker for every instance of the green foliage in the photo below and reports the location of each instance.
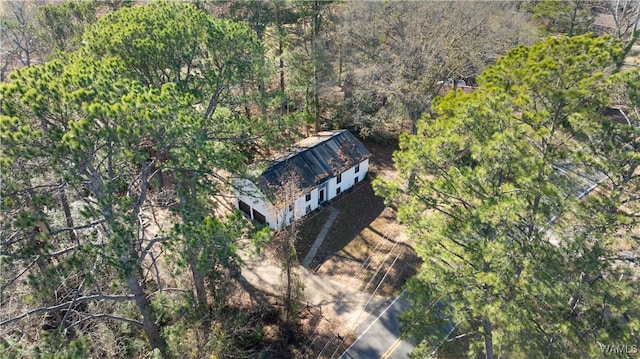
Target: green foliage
(260, 238)
(182, 340)
(11, 350)
(64, 23)
(133, 112)
(174, 42)
(571, 17)
(53, 346)
(501, 230)
(311, 54)
(210, 247)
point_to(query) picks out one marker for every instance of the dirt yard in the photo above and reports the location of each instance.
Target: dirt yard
(366, 246)
(364, 249)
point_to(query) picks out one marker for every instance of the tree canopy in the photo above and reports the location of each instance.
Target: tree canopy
(116, 132)
(122, 121)
(518, 259)
(399, 55)
(172, 42)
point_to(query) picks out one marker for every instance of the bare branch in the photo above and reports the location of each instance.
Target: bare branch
(104, 315)
(10, 281)
(90, 298)
(151, 243)
(76, 293)
(75, 228)
(154, 263)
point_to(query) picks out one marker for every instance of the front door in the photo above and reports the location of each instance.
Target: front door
(322, 193)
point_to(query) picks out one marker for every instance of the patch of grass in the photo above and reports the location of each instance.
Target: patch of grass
(308, 232)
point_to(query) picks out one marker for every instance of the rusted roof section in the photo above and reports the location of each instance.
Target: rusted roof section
(312, 161)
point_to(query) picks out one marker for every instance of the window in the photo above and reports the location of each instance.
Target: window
(308, 209)
(339, 178)
(355, 181)
(259, 217)
(338, 190)
(307, 197)
(244, 208)
(357, 168)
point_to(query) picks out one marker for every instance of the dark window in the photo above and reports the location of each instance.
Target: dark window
(259, 217)
(355, 181)
(339, 178)
(338, 190)
(244, 208)
(357, 168)
(321, 196)
(307, 197)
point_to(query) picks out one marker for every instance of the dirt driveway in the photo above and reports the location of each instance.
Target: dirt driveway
(366, 247)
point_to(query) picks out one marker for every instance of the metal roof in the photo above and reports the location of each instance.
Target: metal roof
(312, 161)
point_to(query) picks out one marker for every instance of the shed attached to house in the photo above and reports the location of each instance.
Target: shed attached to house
(314, 171)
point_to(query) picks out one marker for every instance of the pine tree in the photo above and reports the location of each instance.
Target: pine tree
(519, 258)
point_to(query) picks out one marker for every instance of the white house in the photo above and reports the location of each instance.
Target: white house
(314, 171)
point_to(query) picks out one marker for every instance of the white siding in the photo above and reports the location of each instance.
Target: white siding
(301, 204)
(347, 179)
(249, 193)
(312, 203)
(364, 168)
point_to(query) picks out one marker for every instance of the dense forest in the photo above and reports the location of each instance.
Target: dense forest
(122, 122)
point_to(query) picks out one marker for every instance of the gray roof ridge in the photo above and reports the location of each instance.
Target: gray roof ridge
(301, 149)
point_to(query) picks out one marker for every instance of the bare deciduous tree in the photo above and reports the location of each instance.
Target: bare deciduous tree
(19, 42)
(396, 54)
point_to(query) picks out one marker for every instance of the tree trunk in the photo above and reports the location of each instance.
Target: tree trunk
(291, 286)
(488, 338)
(627, 48)
(67, 215)
(288, 306)
(574, 15)
(201, 296)
(213, 102)
(285, 105)
(247, 110)
(316, 76)
(149, 325)
(40, 227)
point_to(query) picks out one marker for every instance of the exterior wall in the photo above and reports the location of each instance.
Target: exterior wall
(348, 179)
(302, 207)
(278, 219)
(299, 209)
(246, 191)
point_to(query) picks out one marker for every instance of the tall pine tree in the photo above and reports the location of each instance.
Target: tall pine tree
(520, 196)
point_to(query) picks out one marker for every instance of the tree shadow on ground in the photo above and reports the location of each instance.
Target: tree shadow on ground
(357, 209)
(365, 246)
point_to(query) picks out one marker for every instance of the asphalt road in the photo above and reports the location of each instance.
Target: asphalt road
(376, 325)
(379, 338)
